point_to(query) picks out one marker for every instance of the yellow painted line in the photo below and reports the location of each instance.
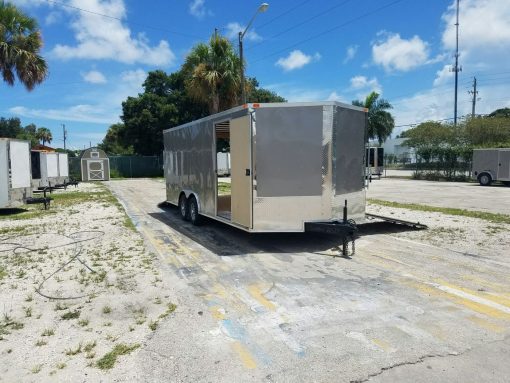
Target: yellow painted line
(256, 293)
(478, 307)
(216, 312)
(486, 324)
(381, 344)
(502, 301)
(244, 355)
(498, 287)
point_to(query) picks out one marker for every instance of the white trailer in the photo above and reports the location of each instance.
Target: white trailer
(375, 162)
(491, 165)
(15, 178)
(223, 163)
(49, 169)
(294, 166)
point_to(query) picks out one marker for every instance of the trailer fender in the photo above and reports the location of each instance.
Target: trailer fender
(485, 178)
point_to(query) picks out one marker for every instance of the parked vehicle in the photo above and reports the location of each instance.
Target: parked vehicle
(49, 168)
(293, 165)
(491, 165)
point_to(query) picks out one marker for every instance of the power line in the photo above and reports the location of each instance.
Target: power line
(301, 23)
(283, 14)
(329, 30)
(121, 20)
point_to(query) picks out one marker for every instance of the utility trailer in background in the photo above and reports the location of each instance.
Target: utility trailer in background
(294, 167)
(15, 180)
(491, 165)
(49, 169)
(223, 163)
(374, 162)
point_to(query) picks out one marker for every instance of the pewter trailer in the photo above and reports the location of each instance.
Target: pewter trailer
(293, 165)
(490, 165)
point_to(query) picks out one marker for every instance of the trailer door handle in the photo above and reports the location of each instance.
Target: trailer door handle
(248, 172)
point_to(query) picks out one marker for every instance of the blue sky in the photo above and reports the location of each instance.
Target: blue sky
(99, 53)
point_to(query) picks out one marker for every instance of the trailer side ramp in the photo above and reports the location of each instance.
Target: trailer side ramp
(414, 225)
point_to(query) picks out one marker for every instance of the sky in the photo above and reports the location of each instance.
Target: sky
(100, 51)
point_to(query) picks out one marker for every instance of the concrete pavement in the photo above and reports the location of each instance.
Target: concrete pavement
(280, 308)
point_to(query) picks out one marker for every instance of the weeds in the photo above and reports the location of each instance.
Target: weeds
(71, 315)
(75, 351)
(107, 309)
(48, 332)
(108, 360)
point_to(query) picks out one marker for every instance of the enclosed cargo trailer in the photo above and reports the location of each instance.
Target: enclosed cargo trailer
(491, 165)
(292, 165)
(15, 179)
(375, 161)
(49, 168)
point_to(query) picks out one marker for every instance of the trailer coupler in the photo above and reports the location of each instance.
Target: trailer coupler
(345, 230)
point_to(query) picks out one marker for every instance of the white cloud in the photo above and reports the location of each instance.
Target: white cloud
(233, 29)
(197, 8)
(98, 106)
(363, 83)
(94, 77)
(53, 18)
(296, 60)
(484, 26)
(100, 38)
(334, 96)
(443, 75)
(395, 53)
(350, 53)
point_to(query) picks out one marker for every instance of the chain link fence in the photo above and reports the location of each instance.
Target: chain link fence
(125, 167)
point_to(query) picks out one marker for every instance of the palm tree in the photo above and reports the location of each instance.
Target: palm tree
(380, 121)
(20, 43)
(213, 74)
(44, 135)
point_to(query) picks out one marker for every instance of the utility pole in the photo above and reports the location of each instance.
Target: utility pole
(456, 69)
(65, 135)
(474, 92)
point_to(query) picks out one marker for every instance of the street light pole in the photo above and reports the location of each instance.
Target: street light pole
(262, 8)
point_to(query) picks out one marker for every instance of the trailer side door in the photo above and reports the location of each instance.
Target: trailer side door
(241, 170)
(504, 165)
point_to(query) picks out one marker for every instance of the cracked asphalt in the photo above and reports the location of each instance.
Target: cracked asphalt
(281, 308)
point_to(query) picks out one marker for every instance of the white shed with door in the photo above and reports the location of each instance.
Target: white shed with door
(95, 165)
(15, 173)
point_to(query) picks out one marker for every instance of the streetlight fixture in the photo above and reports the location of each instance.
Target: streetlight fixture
(261, 9)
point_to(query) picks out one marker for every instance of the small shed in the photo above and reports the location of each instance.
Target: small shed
(15, 174)
(49, 168)
(95, 165)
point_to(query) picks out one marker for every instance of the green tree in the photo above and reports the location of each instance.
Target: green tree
(503, 112)
(44, 135)
(212, 74)
(256, 94)
(10, 127)
(114, 142)
(380, 121)
(20, 43)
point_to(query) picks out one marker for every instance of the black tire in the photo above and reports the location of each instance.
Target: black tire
(183, 207)
(485, 179)
(194, 216)
(506, 183)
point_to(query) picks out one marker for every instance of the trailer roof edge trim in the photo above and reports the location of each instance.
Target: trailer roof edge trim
(255, 105)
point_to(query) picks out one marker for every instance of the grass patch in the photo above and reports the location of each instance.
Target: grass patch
(48, 332)
(486, 216)
(224, 188)
(3, 273)
(108, 360)
(71, 315)
(74, 351)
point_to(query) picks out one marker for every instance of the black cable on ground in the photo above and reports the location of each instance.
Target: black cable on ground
(76, 256)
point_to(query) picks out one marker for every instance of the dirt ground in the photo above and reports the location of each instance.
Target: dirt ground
(78, 289)
(165, 301)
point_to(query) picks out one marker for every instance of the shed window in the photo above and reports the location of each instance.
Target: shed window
(94, 154)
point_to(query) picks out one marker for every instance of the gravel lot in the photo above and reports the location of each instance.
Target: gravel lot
(76, 284)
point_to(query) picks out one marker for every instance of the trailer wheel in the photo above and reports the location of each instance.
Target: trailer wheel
(194, 216)
(485, 179)
(183, 207)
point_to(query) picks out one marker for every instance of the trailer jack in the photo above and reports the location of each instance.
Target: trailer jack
(345, 229)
